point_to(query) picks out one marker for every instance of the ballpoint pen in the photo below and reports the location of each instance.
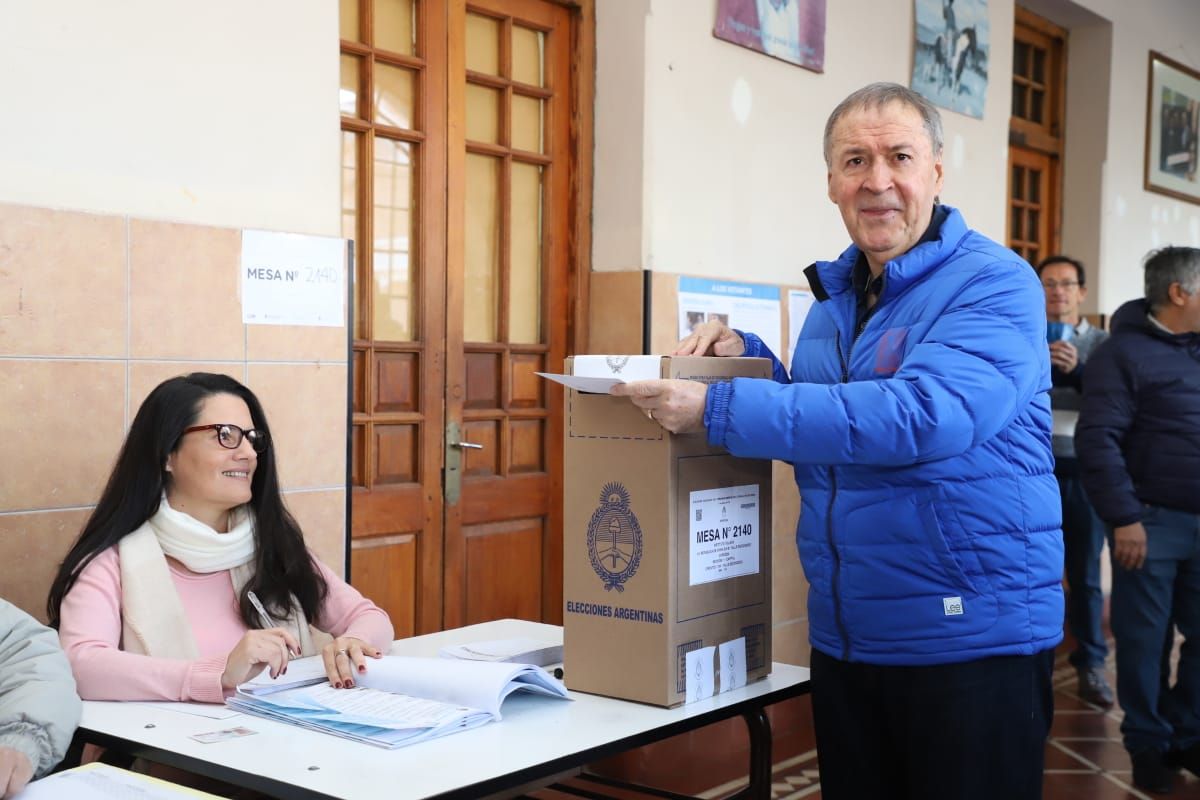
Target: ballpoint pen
(263, 615)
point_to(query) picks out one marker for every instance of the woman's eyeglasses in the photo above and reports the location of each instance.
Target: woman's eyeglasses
(230, 436)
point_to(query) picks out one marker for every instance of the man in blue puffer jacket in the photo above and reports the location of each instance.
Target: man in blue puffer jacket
(917, 418)
(1138, 442)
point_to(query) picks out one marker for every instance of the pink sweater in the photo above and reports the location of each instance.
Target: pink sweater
(91, 633)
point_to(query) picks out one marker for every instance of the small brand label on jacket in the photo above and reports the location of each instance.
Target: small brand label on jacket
(953, 606)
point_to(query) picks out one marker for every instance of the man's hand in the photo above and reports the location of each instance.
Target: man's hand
(1064, 356)
(675, 404)
(1129, 545)
(712, 338)
(15, 771)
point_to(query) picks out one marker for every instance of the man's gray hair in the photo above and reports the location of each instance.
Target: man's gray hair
(877, 95)
(1171, 265)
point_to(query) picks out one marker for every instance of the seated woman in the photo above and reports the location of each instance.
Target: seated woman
(38, 705)
(156, 600)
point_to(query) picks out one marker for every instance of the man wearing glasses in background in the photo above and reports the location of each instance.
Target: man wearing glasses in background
(1072, 339)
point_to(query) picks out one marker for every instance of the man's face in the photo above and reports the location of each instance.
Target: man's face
(883, 177)
(1063, 292)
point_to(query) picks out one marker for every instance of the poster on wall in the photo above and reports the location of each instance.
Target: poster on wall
(292, 279)
(950, 54)
(790, 30)
(745, 306)
(1172, 129)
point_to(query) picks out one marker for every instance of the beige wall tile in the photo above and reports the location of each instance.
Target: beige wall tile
(62, 283)
(789, 643)
(322, 517)
(306, 407)
(62, 425)
(296, 343)
(31, 548)
(185, 295)
(145, 375)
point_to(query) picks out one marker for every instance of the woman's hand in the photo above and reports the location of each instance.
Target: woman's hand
(344, 657)
(270, 646)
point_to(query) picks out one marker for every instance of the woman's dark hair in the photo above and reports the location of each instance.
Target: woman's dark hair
(282, 565)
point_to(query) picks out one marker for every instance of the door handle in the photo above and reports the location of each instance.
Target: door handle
(452, 476)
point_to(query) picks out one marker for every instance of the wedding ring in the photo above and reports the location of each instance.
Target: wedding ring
(343, 653)
(649, 414)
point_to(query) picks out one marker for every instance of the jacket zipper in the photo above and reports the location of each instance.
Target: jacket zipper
(837, 561)
(843, 360)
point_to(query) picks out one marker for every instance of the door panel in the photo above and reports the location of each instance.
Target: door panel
(456, 146)
(506, 317)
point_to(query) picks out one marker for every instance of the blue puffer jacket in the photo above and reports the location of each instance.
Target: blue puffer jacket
(1138, 438)
(930, 522)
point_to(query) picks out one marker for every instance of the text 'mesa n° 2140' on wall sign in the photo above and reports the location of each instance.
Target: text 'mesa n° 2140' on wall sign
(293, 279)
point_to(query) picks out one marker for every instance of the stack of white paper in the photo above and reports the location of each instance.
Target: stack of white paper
(398, 701)
(513, 651)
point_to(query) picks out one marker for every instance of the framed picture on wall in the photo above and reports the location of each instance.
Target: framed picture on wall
(790, 30)
(1172, 128)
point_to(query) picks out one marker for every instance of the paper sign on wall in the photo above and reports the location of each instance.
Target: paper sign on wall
(292, 279)
(745, 306)
(724, 533)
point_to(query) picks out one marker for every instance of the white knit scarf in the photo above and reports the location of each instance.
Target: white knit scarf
(153, 620)
(197, 546)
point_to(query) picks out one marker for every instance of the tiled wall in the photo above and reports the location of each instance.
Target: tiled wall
(97, 310)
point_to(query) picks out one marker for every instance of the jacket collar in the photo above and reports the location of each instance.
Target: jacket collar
(828, 278)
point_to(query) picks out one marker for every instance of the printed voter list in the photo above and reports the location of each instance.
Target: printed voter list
(724, 533)
(292, 279)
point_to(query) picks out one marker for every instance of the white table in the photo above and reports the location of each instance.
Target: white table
(537, 738)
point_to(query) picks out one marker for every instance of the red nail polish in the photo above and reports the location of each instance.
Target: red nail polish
(349, 684)
(362, 668)
(337, 685)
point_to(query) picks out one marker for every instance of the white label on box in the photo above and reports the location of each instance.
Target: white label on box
(724, 533)
(699, 683)
(732, 658)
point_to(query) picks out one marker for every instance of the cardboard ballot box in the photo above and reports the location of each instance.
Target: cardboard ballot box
(666, 545)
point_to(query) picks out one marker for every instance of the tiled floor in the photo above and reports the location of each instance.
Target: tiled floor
(1084, 756)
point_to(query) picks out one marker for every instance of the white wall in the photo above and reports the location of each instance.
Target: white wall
(743, 195)
(1135, 221)
(729, 197)
(222, 112)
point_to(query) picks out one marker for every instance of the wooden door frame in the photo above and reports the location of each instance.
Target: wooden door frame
(580, 41)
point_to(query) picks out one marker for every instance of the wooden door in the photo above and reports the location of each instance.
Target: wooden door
(455, 154)
(1035, 137)
(506, 308)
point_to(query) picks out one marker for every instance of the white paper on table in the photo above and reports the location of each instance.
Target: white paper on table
(700, 682)
(209, 710)
(516, 651)
(732, 658)
(102, 782)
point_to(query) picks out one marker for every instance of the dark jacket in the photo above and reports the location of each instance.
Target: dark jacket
(930, 528)
(1138, 438)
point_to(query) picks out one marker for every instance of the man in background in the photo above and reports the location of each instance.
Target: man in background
(1072, 340)
(1138, 442)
